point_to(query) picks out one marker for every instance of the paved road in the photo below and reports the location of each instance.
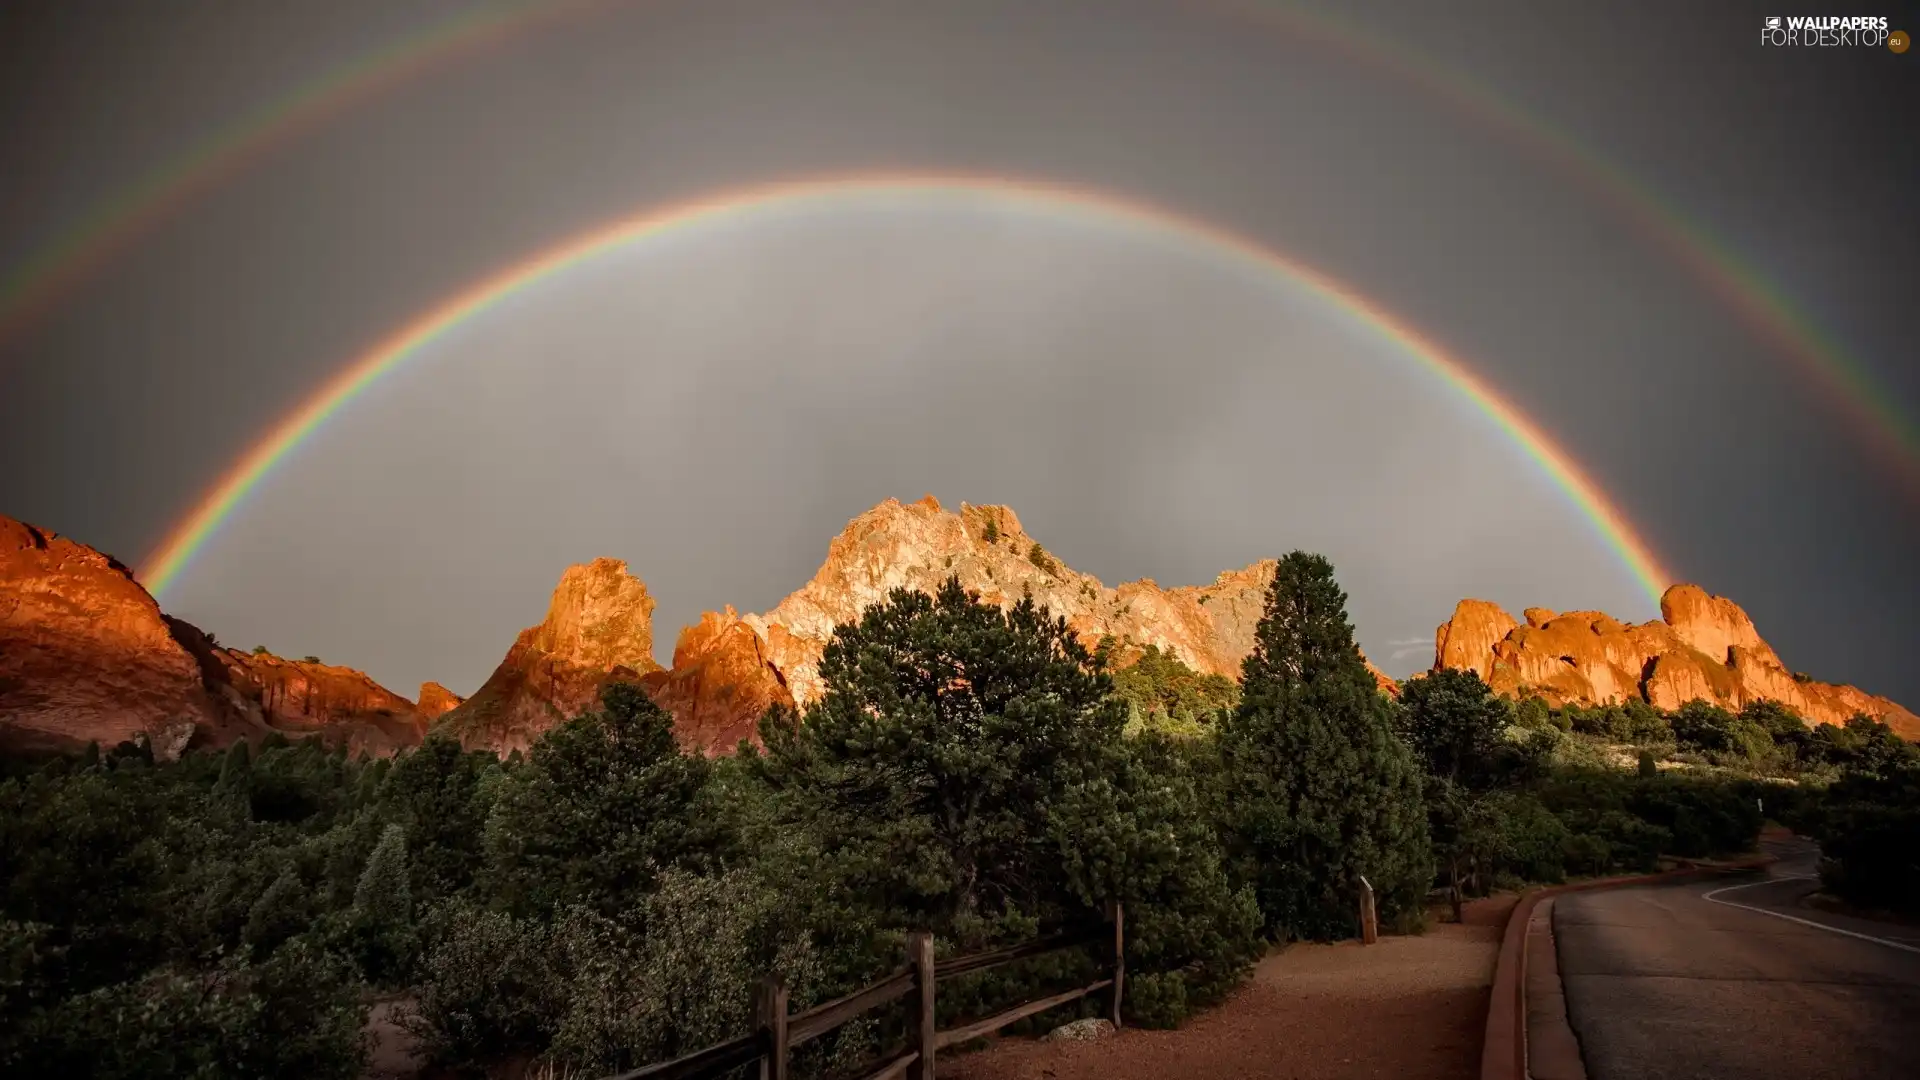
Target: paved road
(1676, 981)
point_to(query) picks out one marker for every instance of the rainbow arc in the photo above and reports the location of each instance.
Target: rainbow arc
(191, 534)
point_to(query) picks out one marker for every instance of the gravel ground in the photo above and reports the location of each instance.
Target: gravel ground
(392, 1055)
(1407, 1007)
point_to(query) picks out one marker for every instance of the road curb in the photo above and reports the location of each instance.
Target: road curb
(1503, 1054)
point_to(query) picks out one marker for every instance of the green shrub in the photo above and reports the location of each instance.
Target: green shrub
(1038, 556)
(281, 913)
(681, 975)
(1156, 1000)
(295, 1014)
(489, 987)
(1868, 826)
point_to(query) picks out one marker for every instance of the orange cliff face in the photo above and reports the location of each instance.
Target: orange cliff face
(87, 655)
(729, 668)
(436, 701)
(598, 629)
(721, 683)
(1703, 647)
(302, 697)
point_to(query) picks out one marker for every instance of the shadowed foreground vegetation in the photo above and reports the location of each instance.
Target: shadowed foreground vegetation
(608, 899)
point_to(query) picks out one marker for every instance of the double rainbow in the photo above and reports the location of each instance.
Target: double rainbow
(37, 285)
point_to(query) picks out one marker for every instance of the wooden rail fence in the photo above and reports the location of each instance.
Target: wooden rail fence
(776, 1031)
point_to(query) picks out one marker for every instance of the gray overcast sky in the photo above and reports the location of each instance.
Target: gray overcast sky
(714, 407)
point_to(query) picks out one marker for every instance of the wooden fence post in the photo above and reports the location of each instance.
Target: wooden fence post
(1369, 922)
(770, 1013)
(920, 954)
(1117, 915)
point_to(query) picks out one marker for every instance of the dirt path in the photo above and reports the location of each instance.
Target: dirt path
(1409, 1007)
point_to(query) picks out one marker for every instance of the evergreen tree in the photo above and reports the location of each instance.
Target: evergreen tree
(607, 800)
(383, 894)
(1321, 791)
(381, 919)
(1454, 724)
(966, 771)
(236, 766)
(1166, 694)
(279, 914)
(437, 792)
(949, 737)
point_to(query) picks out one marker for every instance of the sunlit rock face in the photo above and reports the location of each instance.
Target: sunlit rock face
(86, 655)
(598, 629)
(721, 683)
(1702, 647)
(305, 697)
(729, 668)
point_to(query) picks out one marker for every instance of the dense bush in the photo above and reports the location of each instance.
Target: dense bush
(1163, 694)
(1634, 819)
(1868, 822)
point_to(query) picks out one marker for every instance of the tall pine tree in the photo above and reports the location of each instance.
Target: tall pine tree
(1321, 791)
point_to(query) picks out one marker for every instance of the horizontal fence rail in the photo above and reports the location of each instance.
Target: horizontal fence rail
(713, 1061)
(817, 1021)
(776, 1032)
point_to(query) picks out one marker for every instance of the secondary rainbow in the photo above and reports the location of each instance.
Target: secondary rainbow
(112, 225)
(1846, 382)
(180, 545)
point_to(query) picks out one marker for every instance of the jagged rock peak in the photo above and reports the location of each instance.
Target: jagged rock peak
(598, 629)
(721, 683)
(1703, 647)
(919, 545)
(437, 700)
(600, 616)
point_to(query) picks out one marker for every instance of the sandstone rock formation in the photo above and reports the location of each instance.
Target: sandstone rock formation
(87, 655)
(734, 666)
(598, 629)
(721, 683)
(436, 700)
(302, 697)
(1703, 646)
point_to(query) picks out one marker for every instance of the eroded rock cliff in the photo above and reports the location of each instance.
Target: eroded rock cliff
(87, 655)
(1702, 647)
(598, 629)
(721, 683)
